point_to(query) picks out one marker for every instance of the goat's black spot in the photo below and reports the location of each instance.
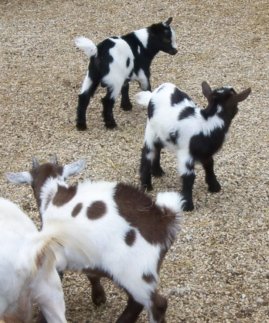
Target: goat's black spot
(173, 137)
(177, 96)
(128, 62)
(130, 237)
(187, 112)
(150, 109)
(204, 146)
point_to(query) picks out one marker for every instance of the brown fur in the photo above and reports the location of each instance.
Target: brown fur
(76, 209)
(142, 213)
(64, 195)
(96, 210)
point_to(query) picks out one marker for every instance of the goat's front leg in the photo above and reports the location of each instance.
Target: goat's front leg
(210, 177)
(131, 311)
(186, 170)
(126, 104)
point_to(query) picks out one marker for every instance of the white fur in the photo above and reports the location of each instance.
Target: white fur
(86, 45)
(22, 280)
(119, 72)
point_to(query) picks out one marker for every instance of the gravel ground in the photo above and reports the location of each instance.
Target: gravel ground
(217, 271)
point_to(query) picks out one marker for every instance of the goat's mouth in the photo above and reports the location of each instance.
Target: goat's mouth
(173, 51)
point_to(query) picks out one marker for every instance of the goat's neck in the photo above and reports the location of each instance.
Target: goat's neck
(47, 192)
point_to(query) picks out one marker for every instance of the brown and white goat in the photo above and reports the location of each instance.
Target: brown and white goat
(124, 234)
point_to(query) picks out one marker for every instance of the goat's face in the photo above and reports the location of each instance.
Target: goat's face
(164, 37)
(226, 98)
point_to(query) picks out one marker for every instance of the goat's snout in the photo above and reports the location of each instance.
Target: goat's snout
(173, 51)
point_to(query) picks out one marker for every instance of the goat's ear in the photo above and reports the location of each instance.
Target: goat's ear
(35, 163)
(74, 168)
(168, 21)
(206, 89)
(19, 178)
(243, 95)
(54, 159)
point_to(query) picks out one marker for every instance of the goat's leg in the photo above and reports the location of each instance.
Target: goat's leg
(210, 177)
(98, 292)
(158, 308)
(87, 91)
(108, 104)
(131, 311)
(156, 168)
(145, 168)
(126, 104)
(186, 170)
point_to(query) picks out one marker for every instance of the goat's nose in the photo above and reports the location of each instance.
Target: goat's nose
(173, 51)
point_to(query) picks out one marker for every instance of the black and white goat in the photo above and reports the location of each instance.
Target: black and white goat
(194, 134)
(116, 61)
(27, 267)
(124, 234)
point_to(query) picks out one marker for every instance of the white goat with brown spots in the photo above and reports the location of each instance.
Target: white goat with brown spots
(27, 268)
(125, 235)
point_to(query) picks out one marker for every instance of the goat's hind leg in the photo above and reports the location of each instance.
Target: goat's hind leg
(131, 311)
(158, 308)
(126, 104)
(145, 168)
(108, 104)
(156, 168)
(98, 292)
(87, 91)
(210, 177)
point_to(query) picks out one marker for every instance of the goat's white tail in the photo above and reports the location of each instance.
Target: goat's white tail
(171, 200)
(86, 45)
(143, 98)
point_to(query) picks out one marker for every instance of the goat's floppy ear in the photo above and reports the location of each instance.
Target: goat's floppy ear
(168, 21)
(19, 178)
(243, 95)
(74, 168)
(206, 89)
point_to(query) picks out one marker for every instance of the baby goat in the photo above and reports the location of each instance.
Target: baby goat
(116, 61)
(27, 268)
(194, 134)
(124, 234)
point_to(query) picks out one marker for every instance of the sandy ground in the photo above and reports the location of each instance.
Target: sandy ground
(217, 271)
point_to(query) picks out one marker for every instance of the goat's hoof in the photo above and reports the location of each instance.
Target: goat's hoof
(81, 126)
(111, 124)
(146, 188)
(188, 206)
(127, 106)
(158, 172)
(214, 188)
(99, 298)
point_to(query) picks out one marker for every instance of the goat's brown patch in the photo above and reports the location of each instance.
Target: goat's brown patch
(76, 209)
(96, 210)
(130, 237)
(148, 278)
(142, 213)
(64, 195)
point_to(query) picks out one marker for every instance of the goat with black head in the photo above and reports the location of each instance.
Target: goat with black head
(193, 134)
